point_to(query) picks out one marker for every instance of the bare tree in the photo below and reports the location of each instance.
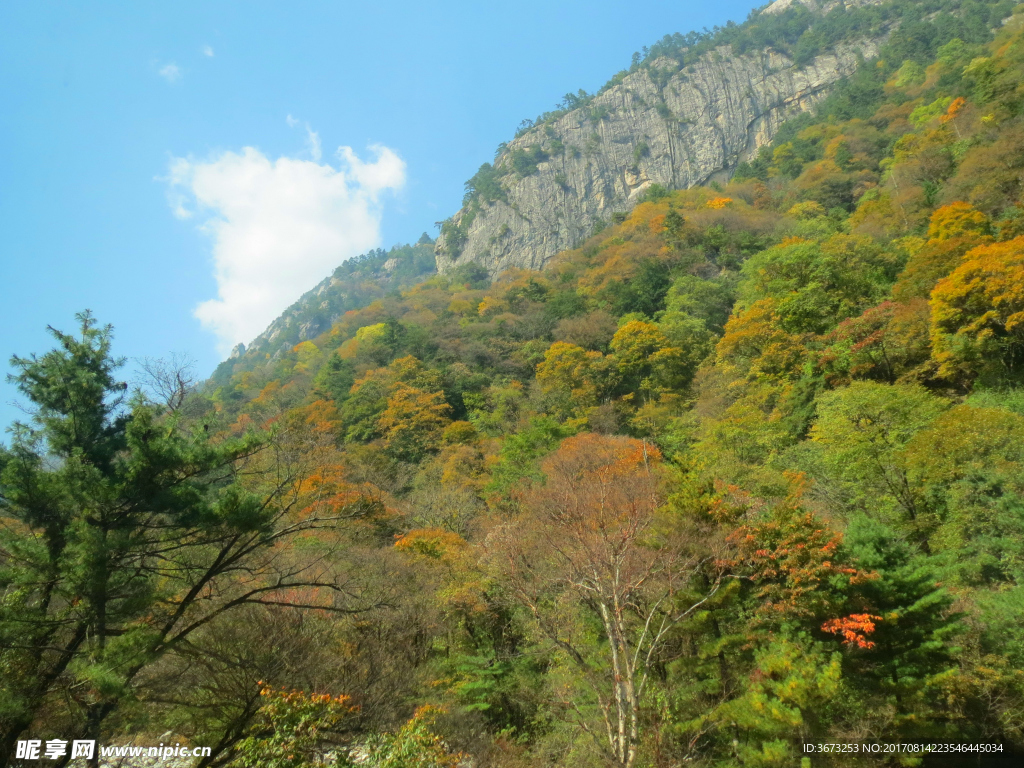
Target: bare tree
(170, 380)
(592, 538)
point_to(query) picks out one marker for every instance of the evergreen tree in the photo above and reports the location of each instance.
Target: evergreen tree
(912, 642)
(120, 530)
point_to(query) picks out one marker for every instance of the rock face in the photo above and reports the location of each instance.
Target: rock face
(663, 125)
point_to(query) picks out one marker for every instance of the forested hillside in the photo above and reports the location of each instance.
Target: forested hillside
(686, 112)
(742, 473)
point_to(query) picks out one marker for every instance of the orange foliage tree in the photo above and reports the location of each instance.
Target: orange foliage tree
(854, 629)
(591, 541)
(796, 564)
(292, 728)
(932, 262)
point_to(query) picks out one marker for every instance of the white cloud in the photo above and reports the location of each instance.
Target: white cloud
(178, 174)
(208, 51)
(278, 226)
(170, 72)
(313, 140)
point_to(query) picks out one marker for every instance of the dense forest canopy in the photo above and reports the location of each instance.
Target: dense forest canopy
(741, 473)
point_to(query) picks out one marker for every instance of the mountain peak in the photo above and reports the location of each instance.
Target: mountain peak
(686, 116)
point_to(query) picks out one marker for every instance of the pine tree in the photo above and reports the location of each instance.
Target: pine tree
(912, 643)
(122, 532)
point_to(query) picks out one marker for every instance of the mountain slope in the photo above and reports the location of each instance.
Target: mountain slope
(696, 127)
(768, 434)
(353, 285)
(686, 114)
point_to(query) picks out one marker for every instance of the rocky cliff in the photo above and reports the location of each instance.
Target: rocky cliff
(662, 124)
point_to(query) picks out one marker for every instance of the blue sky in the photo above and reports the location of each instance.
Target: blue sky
(126, 185)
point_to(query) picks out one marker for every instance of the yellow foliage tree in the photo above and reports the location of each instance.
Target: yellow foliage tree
(308, 354)
(413, 422)
(461, 585)
(645, 357)
(320, 417)
(575, 377)
(811, 209)
(932, 262)
(958, 220)
(755, 344)
(491, 306)
(978, 313)
(877, 214)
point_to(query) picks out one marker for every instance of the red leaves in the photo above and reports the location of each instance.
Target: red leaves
(853, 629)
(796, 563)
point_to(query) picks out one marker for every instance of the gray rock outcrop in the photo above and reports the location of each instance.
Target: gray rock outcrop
(659, 125)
